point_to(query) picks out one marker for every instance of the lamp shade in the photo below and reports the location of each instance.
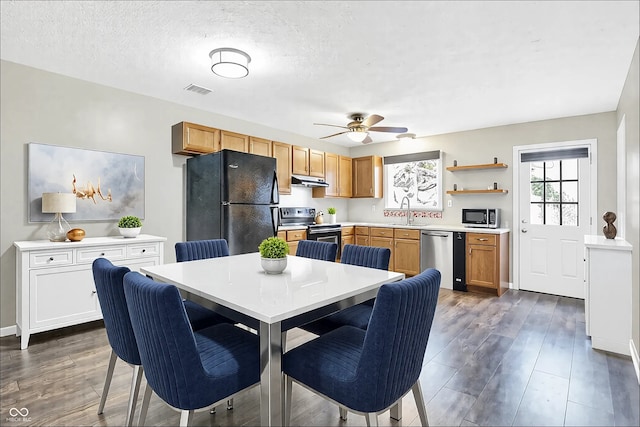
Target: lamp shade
(230, 63)
(58, 202)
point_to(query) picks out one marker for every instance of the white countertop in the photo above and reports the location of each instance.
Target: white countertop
(601, 242)
(30, 245)
(443, 227)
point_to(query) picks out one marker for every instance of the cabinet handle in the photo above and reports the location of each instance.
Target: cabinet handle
(144, 250)
(102, 254)
(483, 240)
(94, 291)
(469, 251)
(51, 258)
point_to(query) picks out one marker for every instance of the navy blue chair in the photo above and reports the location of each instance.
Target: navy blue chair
(357, 315)
(109, 287)
(369, 371)
(314, 249)
(201, 249)
(188, 370)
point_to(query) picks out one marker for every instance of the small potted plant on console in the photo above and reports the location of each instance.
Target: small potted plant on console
(273, 251)
(129, 226)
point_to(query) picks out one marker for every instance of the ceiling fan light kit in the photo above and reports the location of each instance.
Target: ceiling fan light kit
(229, 62)
(359, 127)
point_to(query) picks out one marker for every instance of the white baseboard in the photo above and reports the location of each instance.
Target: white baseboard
(9, 330)
(634, 357)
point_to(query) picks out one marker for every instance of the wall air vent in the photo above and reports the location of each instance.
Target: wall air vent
(198, 89)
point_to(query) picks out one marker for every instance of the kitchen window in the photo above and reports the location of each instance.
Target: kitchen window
(418, 176)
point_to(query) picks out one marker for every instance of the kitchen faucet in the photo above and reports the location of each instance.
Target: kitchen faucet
(408, 209)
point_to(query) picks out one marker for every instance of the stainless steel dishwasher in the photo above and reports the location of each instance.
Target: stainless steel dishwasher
(436, 251)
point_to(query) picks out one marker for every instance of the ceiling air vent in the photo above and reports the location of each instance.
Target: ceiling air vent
(198, 89)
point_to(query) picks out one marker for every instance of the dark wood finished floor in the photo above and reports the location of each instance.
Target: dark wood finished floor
(521, 359)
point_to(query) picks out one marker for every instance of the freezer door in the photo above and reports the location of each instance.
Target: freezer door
(248, 178)
(245, 226)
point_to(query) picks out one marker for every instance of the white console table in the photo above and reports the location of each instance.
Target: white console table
(608, 293)
(54, 280)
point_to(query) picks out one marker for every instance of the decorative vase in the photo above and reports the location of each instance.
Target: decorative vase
(609, 230)
(332, 218)
(273, 265)
(75, 234)
(129, 232)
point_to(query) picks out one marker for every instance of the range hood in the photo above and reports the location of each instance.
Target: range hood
(308, 181)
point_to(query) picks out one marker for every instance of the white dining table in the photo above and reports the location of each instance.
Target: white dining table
(237, 287)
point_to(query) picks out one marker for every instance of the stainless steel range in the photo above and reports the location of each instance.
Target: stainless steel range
(306, 216)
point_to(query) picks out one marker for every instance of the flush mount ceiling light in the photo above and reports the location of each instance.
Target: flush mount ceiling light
(230, 63)
(357, 135)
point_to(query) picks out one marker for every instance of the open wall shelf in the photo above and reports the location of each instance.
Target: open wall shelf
(475, 167)
(498, 191)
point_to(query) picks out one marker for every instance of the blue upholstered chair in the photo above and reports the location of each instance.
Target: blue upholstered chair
(188, 370)
(357, 315)
(368, 371)
(109, 286)
(201, 249)
(314, 249)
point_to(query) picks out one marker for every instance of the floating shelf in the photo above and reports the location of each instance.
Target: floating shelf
(475, 167)
(499, 191)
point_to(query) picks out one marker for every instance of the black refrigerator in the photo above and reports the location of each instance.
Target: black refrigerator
(234, 196)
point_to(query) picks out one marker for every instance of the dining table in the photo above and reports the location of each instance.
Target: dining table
(236, 286)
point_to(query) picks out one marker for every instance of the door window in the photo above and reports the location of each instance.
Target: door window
(554, 192)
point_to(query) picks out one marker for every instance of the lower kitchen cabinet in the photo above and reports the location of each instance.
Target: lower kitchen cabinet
(406, 251)
(362, 236)
(292, 238)
(348, 237)
(382, 237)
(487, 261)
(54, 281)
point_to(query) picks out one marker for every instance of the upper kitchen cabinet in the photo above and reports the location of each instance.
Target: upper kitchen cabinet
(260, 146)
(337, 173)
(282, 153)
(234, 141)
(307, 161)
(190, 138)
(367, 177)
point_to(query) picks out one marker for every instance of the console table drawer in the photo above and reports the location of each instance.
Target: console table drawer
(90, 254)
(51, 258)
(143, 250)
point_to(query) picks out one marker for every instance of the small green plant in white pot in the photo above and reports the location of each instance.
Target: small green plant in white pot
(129, 226)
(273, 252)
(332, 215)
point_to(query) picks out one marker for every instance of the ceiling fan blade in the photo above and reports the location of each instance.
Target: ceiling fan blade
(367, 140)
(388, 129)
(335, 126)
(372, 120)
(335, 134)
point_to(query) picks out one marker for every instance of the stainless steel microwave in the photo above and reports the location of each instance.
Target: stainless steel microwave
(483, 218)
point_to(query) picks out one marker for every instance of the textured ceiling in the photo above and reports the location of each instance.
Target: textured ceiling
(432, 66)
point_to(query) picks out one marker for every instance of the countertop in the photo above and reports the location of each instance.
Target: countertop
(441, 227)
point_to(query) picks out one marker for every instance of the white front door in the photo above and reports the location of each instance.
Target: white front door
(554, 214)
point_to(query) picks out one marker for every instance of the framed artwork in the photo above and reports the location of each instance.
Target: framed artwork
(417, 176)
(107, 185)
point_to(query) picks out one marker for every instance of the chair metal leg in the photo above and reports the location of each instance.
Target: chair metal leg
(422, 409)
(107, 381)
(284, 341)
(343, 413)
(287, 399)
(396, 411)
(133, 393)
(372, 419)
(185, 418)
(145, 405)
(229, 404)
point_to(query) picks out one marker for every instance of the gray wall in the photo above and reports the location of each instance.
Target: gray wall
(629, 108)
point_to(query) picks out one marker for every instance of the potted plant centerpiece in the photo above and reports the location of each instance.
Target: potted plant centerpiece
(332, 215)
(129, 226)
(273, 251)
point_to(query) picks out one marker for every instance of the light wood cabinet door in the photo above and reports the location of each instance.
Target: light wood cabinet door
(362, 240)
(190, 138)
(367, 177)
(282, 154)
(234, 141)
(259, 146)
(345, 180)
(406, 256)
(482, 266)
(316, 163)
(384, 242)
(331, 175)
(347, 240)
(300, 160)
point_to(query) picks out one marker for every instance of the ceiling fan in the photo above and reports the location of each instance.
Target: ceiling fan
(360, 126)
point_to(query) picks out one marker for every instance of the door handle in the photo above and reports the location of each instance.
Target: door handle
(524, 230)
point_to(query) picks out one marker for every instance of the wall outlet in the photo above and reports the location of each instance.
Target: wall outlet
(449, 203)
(373, 208)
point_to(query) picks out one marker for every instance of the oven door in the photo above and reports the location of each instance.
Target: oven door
(331, 236)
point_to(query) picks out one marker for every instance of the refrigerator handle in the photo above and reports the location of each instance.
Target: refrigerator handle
(274, 220)
(275, 195)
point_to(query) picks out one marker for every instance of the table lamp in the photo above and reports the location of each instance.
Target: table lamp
(58, 203)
